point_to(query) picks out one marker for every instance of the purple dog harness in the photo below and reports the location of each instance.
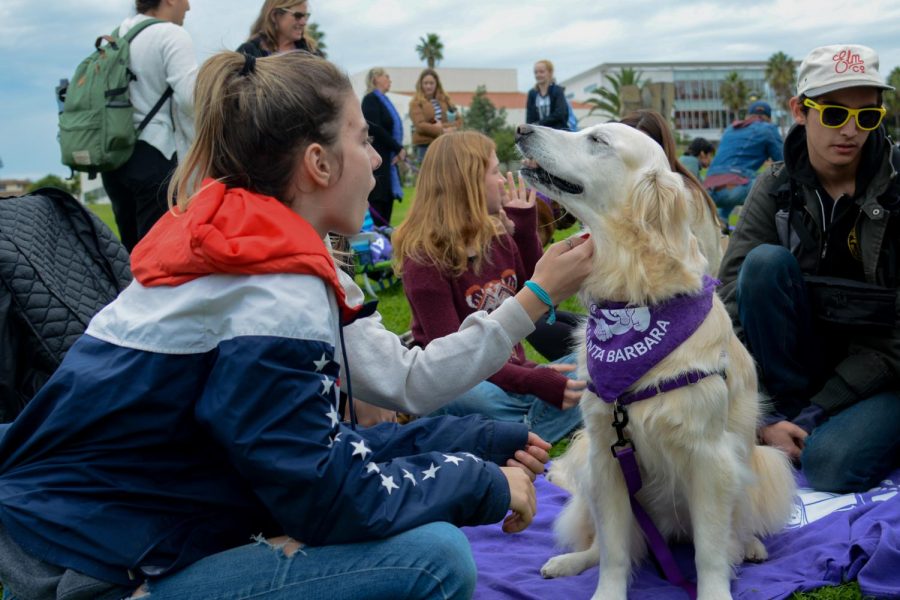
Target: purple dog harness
(623, 344)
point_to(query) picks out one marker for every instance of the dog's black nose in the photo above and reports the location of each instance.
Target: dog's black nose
(523, 130)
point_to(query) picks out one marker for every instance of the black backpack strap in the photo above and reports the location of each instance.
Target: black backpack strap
(159, 103)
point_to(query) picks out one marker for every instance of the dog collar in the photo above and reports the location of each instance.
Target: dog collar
(624, 342)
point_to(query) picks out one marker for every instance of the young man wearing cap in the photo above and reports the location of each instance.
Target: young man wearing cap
(745, 146)
(810, 277)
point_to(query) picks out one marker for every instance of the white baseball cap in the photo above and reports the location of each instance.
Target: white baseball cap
(830, 68)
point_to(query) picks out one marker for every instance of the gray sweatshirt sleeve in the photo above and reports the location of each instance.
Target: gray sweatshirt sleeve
(421, 380)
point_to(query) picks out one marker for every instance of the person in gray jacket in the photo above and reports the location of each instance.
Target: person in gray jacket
(810, 277)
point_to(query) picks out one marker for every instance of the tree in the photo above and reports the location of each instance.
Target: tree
(610, 101)
(313, 32)
(483, 116)
(781, 75)
(73, 186)
(892, 103)
(735, 93)
(430, 49)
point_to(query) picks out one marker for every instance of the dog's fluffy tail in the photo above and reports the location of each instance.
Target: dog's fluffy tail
(772, 496)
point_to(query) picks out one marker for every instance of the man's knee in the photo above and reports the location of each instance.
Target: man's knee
(831, 466)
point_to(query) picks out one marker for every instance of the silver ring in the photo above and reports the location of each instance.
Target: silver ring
(569, 243)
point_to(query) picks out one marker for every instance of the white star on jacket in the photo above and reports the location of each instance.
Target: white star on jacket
(360, 449)
(430, 472)
(327, 382)
(410, 476)
(449, 458)
(472, 456)
(333, 415)
(372, 468)
(321, 363)
(387, 481)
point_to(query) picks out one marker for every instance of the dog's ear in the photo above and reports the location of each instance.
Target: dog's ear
(661, 208)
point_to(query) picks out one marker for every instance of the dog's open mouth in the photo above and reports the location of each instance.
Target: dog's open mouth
(540, 175)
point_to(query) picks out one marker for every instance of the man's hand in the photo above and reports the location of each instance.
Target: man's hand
(786, 436)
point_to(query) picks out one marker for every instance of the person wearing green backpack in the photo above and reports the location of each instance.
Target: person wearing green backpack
(161, 57)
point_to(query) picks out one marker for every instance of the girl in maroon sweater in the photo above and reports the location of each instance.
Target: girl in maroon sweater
(468, 244)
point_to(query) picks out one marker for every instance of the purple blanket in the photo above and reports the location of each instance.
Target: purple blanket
(831, 538)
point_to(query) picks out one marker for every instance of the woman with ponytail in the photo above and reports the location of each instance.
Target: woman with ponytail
(190, 444)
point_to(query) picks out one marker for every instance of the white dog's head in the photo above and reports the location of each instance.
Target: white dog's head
(618, 182)
(593, 171)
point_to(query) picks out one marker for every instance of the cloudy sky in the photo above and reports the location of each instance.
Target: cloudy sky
(42, 42)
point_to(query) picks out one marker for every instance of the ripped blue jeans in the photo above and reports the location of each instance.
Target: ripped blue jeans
(433, 561)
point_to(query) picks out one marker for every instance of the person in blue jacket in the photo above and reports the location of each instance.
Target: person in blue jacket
(189, 445)
(745, 146)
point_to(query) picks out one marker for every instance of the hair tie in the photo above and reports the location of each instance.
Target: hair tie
(249, 64)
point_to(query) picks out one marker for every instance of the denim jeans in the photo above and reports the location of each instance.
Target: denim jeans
(433, 561)
(726, 199)
(490, 400)
(856, 447)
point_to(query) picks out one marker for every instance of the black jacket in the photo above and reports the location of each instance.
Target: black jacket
(559, 108)
(253, 47)
(381, 124)
(59, 265)
(785, 207)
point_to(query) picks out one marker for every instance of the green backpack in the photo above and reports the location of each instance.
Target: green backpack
(96, 126)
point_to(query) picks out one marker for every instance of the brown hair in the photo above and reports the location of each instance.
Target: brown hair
(657, 128)
(142, 6)
(264, 26)
(449, 215)
(439, 92)
(255, 117)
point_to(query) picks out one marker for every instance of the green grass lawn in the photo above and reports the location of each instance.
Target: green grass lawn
(395, 311)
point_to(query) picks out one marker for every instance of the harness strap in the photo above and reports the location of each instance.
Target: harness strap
(667, 385)
(658, 546)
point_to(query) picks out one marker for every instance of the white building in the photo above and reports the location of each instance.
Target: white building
(698, 110)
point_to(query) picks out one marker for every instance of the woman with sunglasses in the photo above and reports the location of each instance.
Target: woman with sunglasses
(811, 273)
(280, 27)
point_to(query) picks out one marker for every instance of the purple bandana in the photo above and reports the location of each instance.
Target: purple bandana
(624, 342)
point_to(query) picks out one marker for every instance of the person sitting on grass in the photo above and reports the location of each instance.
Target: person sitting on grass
(466, 245)
(199, 411)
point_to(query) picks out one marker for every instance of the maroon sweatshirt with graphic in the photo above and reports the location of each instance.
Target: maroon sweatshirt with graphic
(440, 302)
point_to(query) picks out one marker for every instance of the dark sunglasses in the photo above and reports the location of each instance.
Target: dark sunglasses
(297, 15)
(834, 116)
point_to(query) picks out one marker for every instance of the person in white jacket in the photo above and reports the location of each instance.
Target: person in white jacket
(162, 57)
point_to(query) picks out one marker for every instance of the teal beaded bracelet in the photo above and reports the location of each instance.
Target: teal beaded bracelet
(544, 297)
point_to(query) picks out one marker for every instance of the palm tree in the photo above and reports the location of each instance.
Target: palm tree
(430, 49)
(312, 31)
(610, 101)
(735, 92)
(781, 75)
(892, 102)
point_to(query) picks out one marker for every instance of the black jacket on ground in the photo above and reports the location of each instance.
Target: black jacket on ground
(59, 265)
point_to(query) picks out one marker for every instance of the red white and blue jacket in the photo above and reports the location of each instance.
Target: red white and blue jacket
(200, 409)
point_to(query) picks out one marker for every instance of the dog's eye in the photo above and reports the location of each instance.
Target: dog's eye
(596, 138)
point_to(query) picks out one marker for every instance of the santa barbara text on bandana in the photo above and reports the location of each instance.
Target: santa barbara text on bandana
(624, 342)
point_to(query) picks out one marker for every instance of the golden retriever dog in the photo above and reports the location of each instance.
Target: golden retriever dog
(704, 477)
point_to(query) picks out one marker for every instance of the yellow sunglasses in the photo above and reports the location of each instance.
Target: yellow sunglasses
(834, 117)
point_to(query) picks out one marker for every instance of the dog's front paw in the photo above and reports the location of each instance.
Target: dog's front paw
(564, 565)
(755, 551)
